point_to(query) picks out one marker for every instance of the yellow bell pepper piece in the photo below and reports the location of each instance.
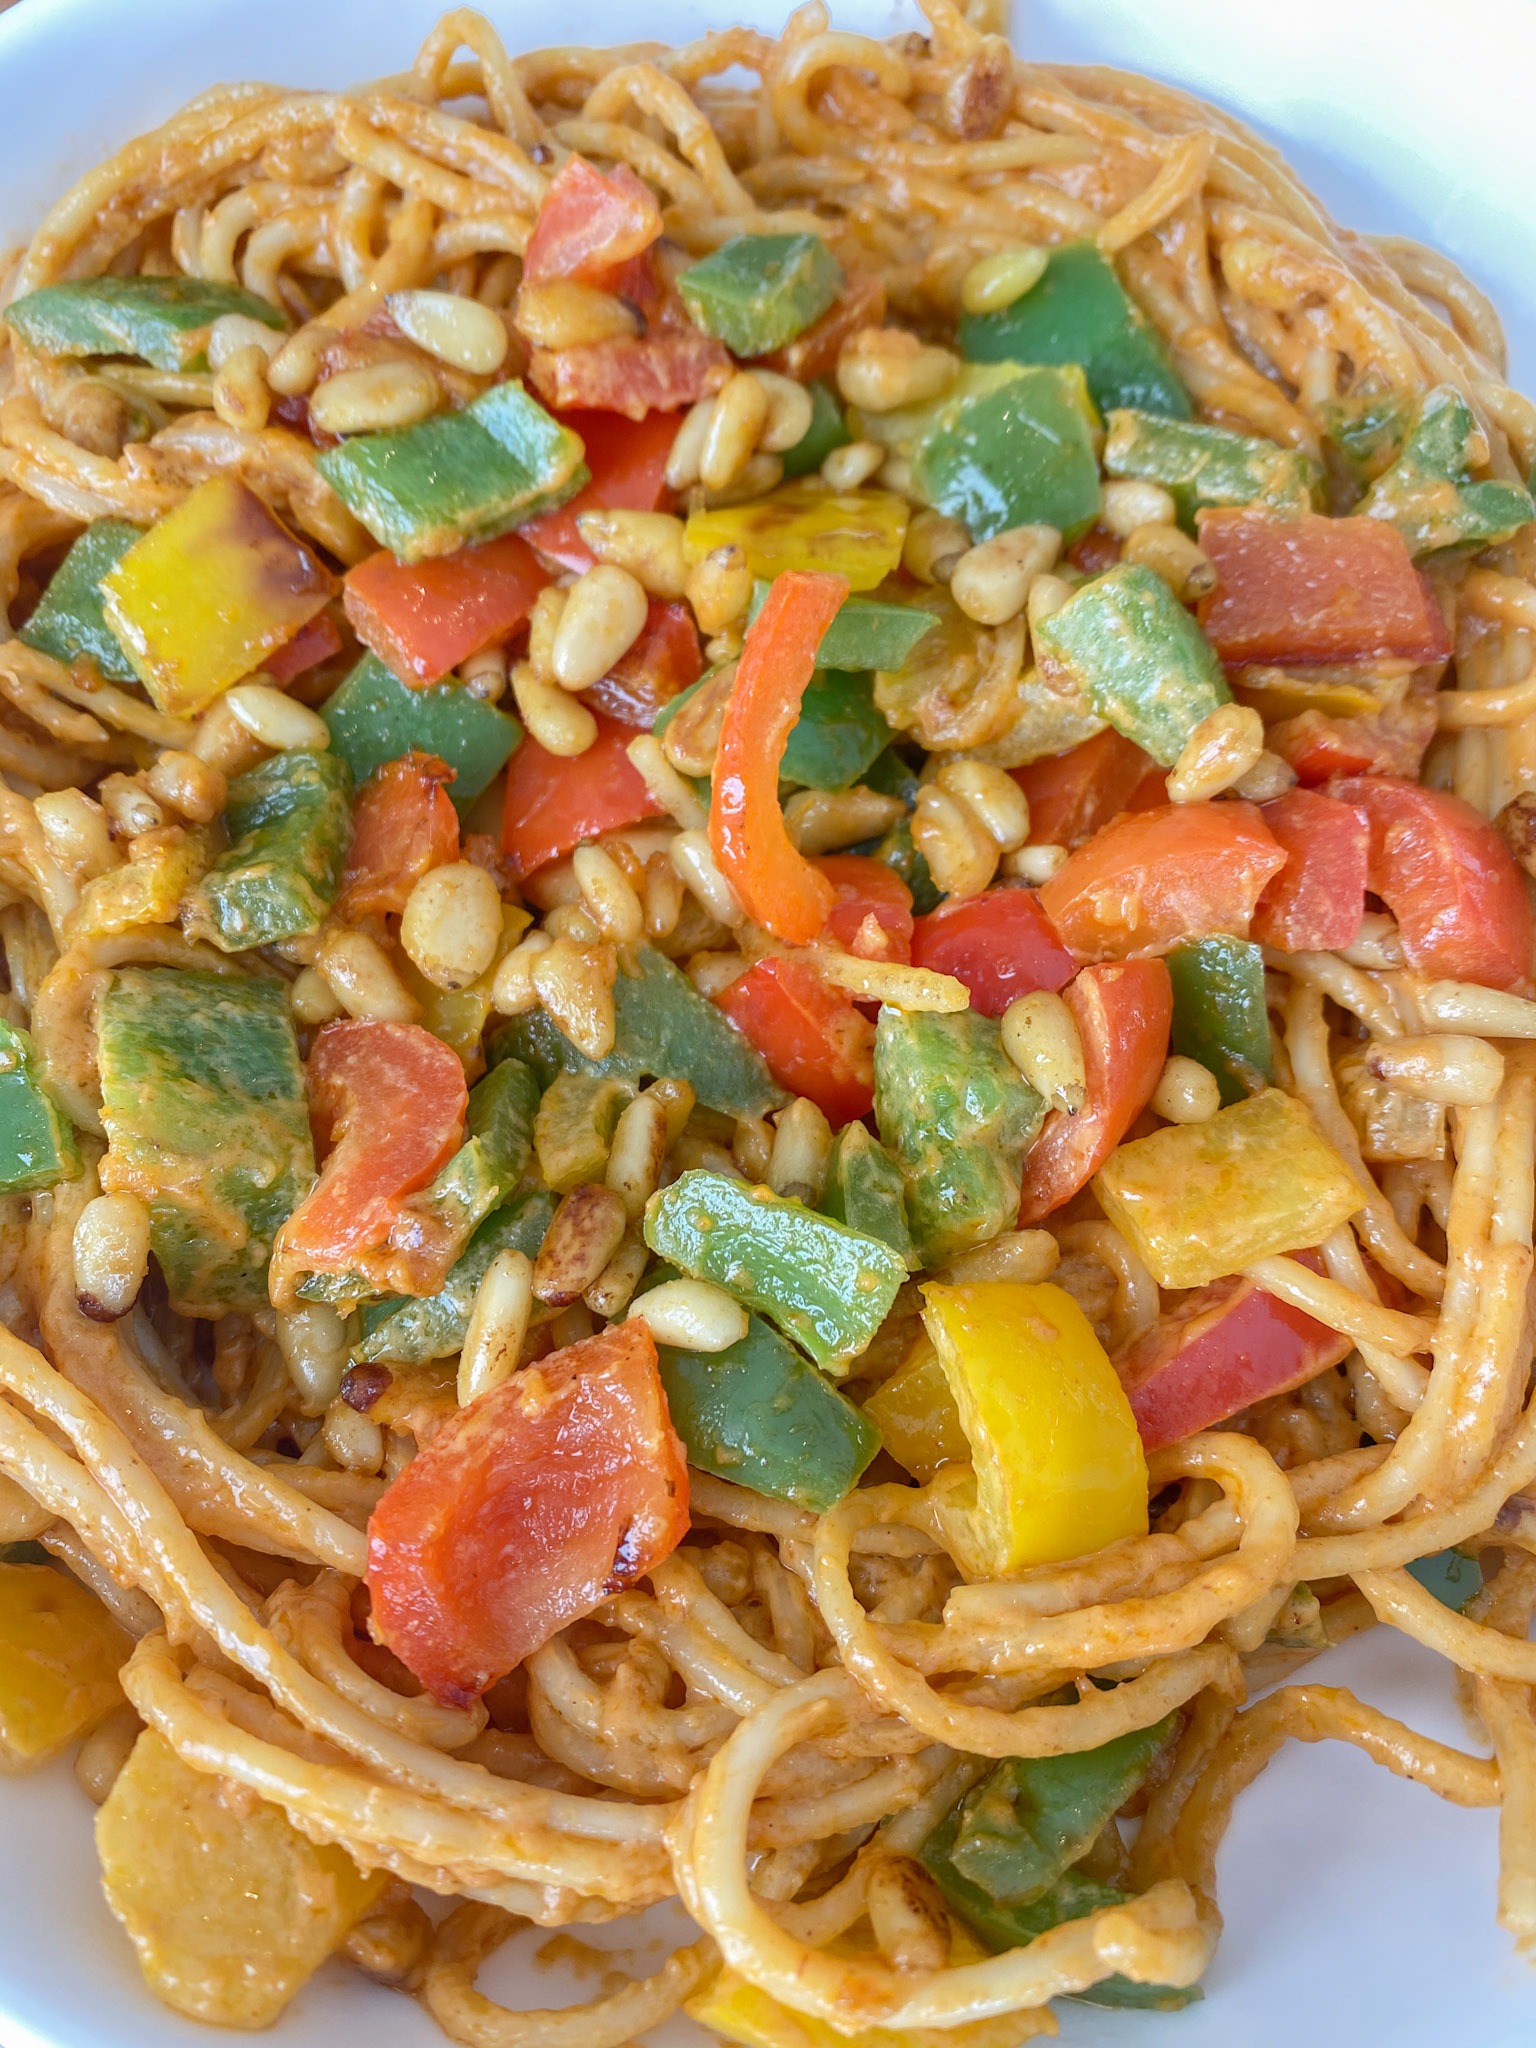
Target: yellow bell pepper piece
(1058, 1464)
(857, 534)
(149, 887)
(211, 590)
(1199, 1201)
(60, 1653)
(230, 1908)
(738, 2011)
(916, 1415)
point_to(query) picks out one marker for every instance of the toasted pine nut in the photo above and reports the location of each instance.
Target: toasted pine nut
(664, 891)
(667, 787)
(1040, 1036)
(312, 999)
(1378, 944)
(992, 796)
(639, 1147)
(677, 1099)
(823, 820)
(575, 985)
(991, 581)
(241, 397)
(224, 741)
(1027, 1255)
(648, 544)
(994, 282)
(376, 397)
(484, 674)
(961, 854)
(1468, 1006)
(188, 785)
(693, 732)
(559, 312)
(720, 588)
(451, 925)
(695, 862)
(1183, 565)
(77, 833)
(740, 414)
(554, 718)
(1132, 501)
(758, 475)
(610, 1293)
(935, 543)
(605, 613)
(570, 921)
(688, 446)
(895, 474)
(907, 1915)
(232, 332)
(277, 720)
(882, 368)
(790, 412)
(296, 362)
(130, 808)
(543, 624)
(691, 1315)
(711, 972)
(456, 330)
(498, 1324)
(1448, 1068)
(355, 1441)
(1034, 864)
(1269, 777)
(609, 896)
(111, 1255)
(846, 468)
(1220, 751)
(802, 1145)
(513, 992)
(752, 1147)
(587, 1230)
(313, 1340)
(1186, 1092)
(1047, 595)
(363, 979)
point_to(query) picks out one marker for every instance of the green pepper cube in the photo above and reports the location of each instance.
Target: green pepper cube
(374, 718)
(1020, 454)
(459, 476)
(867, 633)
(1453, 1576)
(207, 1121)
(498, 1143)
(575, 1125)
(1220, 1016)
(1428, 494)
(1133, 653)
(902, 855)
(414, 1331)
(37, 1141)
(161, 320)
(828, 430)
(290, 823)
(69, 622)
(1201, 465)
(1368, 430)
(839, 732)
(757, 292)
(865, 1190)
(825, 1286)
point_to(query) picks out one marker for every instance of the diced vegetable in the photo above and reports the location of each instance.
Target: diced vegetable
(735, 2010)
(1059, 1468)
(60, 1653)
(839, 732)
(958, 1117)
(589, 222)
(554, 803)
(1204, 465)
(827, 1287)
(373, 718)
(1308, 589)
(212, 587)
(1453, 1576)
(161, 320)
(899, 852)
(403, 825)
(1199, 1201)
(628, 464)
(204, 1107)
(1369, 429)
(816, 1042)
(574, 1125)
(1220, 1017)
(423, 618)
(1392, 741)
(69, 621)
(148, 889)
(868, 889)
(1079, 312)
(459, 476)
(311, 645)
(916, 1415)
(666, 660)
(868, 632)
(814, 355)
(828, 430)
(37, 1142)
(865, 1190)
(1429, 495)
(1122, 1012)
(1011, 451)
(857, 534)
(659, 371)
(1317, 901)
(757, 292)
(230, 1909)
(290, 823)
(1075, 794)
(1000, 944)
(1126, 644)
(435, 1225)
(414, 1330)
(531, 1505)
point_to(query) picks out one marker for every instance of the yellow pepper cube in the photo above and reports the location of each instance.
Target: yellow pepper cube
(1199, 1201)
(739, 2012)
(211, 590)
(1059, 1468)
(60, 1653)
(230, 1908)
(148, 888)
(916, 1415)
(857, 534)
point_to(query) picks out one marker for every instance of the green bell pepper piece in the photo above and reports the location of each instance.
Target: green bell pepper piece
(1453, 1576)
(161, 320)
(574, 1125)
(290, 823)
(763, 1417)
(839, 732)
(1368, 431)
(69, 620)
(459, 476)
(374, 718)
(498, 1143)
(1219, 1014)
(204, 1106)
(664, 1030)
(827, 1287)
(1016, 454)
(958, 1117)
(901, 854)
(757, 292)
(1079, 312)
(1428, 494)
(37, 1141)
(828, 430)
(414, 1331)
(1136, 656)
(867, 632)
(1201, 465)
(865, 1190)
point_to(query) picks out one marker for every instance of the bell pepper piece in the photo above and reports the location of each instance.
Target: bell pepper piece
(1079, 312)
(1073, 795)
(1305, 590)
(459, 476)
(898, 850)
(815, 1041)
(1008, 452)
(633, 375)
(732, 2009)
(916, 1415)
(1429, 494)
(1369, 430)
(1220, 1017)
(757, 292)
(1317, 901)
(1059, 1468)
(775, 884)
(1123, 1013)
(403, 825)
(839, 732)
(856, 535)
(69, 622)
(1203, 465)
(1000, 944)
(410, 1330)
(554, 804)
(60, 1653)
(1453, 1576)
(311, 645)
(373, 718)
(1153, 878)
(868, 632)
(37, 1141)
(865, 1190)
(828, 430)
(1448, 878)
(868, 889)
(574, 1125)
(161, 320)
(424, 618)
(498, 1143)
(204, 1107)
(628, 464)
(813, 355)
(666, 660)
(589, 221)
(212, 587)
(1392, 741)
(958, 1117)
(289, 822)
(148, 889)
(825, 1286)
(1200, 1201)
(763, 1417)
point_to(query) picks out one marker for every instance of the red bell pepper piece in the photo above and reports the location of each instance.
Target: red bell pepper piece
(661, 371)
(628, 461)
(1072, 795)
(1392, 741)
(403, 823)
(1316, 902)
(589, 222)
(1000, 944)
(554, 803)
(311, 645)
(814, 353)
(424, 618)
(816, 1041)
(866, 888)
(665, 659)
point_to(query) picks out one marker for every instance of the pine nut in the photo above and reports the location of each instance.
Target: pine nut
(456, 330)
(752, 1147)
(677, 1099)
(610, 1293)
(695, 862)
(611, 901)
(111, 1255)
(484, 674)
(826, 820)
(711, 972)
(570, 921)
(363, 979)
(687, 450)
(693, 732)
(296, 362)
(312, 999)
(638, 1150)
(664, 891)
(907, 1916)
(188, 785)
(1220, 751)
(935, 543)
(313, 1341)
(575, 985)
(802, 1145)
(895, 474)
(1041, 1038)
(1268, 778)
(77, 833)
(277, 720)
(375, 398)
(739, 417)
(1378, 944)
(451, 925)
(790, 412)
(559, 313)
(992, 796)
(994, 282)
(648, 544)
(1047, 595)
(691, 1315)
(553, 717)
(241, 397)
(355, 1441)
(882, 368)
(587, 1230)
(513, 992)
(131, 810)
(720, 589)
(846, 468)
(1448, 1068)
(1129, 502)
(1029, 1256)
(232, 332)
(961, 854)
(498, 1326)
(1468, 1006)
(605, 614)
(668, 788)
(991, 581)
(758, 475)
(543, 624)
(224, 741)
(1186, 1092)
(1184, 566)
(1034, 864)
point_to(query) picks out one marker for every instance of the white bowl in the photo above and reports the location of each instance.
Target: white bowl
(1359, 1909)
